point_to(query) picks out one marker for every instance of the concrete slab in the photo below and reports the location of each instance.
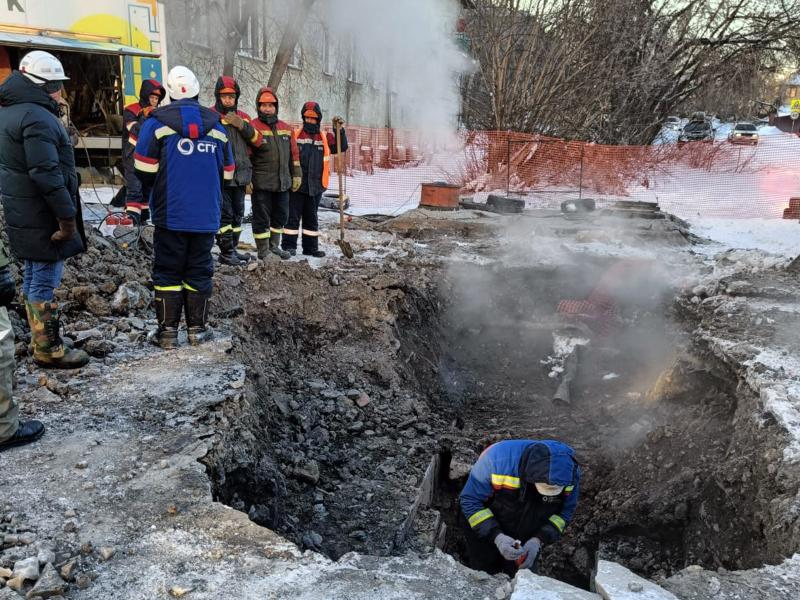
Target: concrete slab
(535, 587)
(615, 582)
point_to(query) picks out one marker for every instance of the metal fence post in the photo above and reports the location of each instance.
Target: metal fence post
(580, 180)
(508, 163)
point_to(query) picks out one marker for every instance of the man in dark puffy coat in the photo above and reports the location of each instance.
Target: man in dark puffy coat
(151, 94)
(276, 170)
(40, 197)
(316, 149)
(241, 135)
(520, 496)
(182, 158)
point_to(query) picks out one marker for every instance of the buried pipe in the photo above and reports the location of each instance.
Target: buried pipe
(563, 393)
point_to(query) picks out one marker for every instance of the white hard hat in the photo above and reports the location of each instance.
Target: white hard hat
(182, 83)
(40, 67)
(545, 489)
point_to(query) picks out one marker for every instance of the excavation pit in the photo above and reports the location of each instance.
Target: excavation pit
(367, 374)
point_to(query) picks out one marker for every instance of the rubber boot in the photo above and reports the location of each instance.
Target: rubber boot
(49, 350)
(275, 247)
(262, 245)
(244, 257)
(196, 305)
(311, 247)
(227, 255)
(169, 306)
(68, 343)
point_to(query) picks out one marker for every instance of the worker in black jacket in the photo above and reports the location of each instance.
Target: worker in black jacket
(316, 148)
(40, 197)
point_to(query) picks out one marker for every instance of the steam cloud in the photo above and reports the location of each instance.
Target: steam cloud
(411, 42)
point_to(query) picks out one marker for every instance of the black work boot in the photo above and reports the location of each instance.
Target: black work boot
(314, 253)
(227, 255)
(169, 306)
(242, 256)
(275, 246)
(27, 432)
(311, 247)
(196, 317)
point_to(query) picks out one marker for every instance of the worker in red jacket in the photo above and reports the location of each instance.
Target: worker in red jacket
(241, 135)
(151, 94)
(316, 149)
(276, 170)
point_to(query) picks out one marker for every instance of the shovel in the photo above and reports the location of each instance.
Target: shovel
(344, 245)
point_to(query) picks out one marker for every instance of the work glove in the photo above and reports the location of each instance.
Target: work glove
(66, 230)
(509, 547)
(530, 551)
(234, 120)
(296, 183)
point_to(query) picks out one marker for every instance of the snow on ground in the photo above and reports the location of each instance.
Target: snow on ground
(777, 236)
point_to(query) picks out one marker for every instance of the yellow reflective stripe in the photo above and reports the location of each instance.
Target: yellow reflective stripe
(227, 175)
(558, 522)
(140, 165)
(479, 517)
(168, 288)
(236, 229)
(164, 131)
(273, 230)
(225, 229)
(256, 136)
(284, 132)
(291, 231)
(262, 236)
(186, 286)
(505, 481)
(218, 134)
(266, 132)
(310, 233)
(569, 488)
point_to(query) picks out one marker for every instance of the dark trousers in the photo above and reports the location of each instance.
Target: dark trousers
(483, 555)
(182, 261)
(135, 202)
(302, 209)
(232, 209)
(270, 213)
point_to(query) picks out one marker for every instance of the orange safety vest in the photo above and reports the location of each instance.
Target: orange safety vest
(326, 157)
(326, 160)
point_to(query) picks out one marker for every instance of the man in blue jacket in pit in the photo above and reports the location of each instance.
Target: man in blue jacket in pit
(182, 158)
(519, 497)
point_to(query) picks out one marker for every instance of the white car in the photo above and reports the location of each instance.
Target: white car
(744, 133)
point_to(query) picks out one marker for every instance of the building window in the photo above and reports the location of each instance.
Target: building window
(327, 52)
(296, 60)
(253, 43)
(198, 24)
(355, 65)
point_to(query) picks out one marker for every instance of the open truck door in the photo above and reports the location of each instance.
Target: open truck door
(107, 49)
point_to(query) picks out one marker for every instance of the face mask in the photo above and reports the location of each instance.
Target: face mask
(51, 87)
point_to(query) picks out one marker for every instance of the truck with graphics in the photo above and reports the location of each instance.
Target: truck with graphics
(107, 48)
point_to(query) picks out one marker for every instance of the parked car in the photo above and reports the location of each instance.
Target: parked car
(673, 123)
(744, 133)
(697, 130)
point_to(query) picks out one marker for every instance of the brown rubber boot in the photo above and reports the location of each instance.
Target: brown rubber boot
(49, 350)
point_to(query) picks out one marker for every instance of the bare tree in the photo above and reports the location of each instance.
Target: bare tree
(611, 70)
(291, 35)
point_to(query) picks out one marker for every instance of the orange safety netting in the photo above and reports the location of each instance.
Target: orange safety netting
(386, 167)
